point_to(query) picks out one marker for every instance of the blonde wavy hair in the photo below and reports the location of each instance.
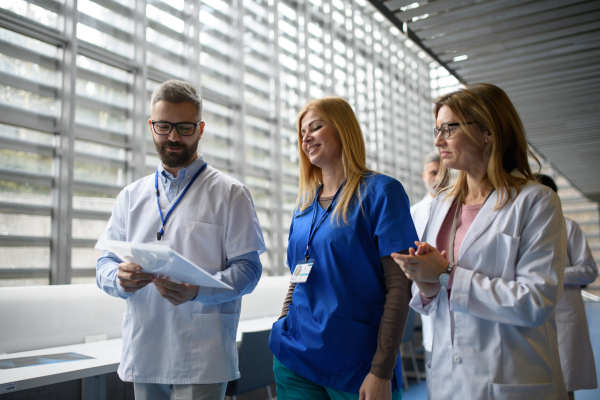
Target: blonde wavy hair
(492, 111)
(336, 112)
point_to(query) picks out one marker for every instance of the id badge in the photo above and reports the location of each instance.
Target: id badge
(300, 274)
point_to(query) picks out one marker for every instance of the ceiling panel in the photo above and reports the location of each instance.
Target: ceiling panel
(544, 53)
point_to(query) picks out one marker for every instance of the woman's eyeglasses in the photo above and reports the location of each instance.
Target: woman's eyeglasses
(446, 131)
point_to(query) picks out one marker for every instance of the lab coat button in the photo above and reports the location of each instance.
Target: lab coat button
(457, 359)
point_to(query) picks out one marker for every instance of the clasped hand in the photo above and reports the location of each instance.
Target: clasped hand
(423, 266)
(132, 279)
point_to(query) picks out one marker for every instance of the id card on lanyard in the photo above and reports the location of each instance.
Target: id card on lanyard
(302, 269)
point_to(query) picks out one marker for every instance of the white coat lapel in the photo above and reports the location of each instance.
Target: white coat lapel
(435, 222)
(484, 218)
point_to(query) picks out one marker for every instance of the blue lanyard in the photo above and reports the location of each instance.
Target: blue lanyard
(160, 233)
(314, 228)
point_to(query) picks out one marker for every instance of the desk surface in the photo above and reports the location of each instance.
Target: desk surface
(107, 356)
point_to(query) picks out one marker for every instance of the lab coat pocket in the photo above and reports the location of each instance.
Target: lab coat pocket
(204, 244)
(507, 249)
(213, 347)
(546, 391)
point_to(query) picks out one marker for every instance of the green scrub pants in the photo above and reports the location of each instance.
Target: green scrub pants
(291, 386)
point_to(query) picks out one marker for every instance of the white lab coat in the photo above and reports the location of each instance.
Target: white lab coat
(420, 215)
(504, 291)
(574, 345)
(193, 343)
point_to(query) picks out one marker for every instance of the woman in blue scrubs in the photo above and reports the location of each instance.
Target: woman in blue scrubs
(344, 316)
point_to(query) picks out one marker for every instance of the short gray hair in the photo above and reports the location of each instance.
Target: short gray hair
(175, 91)
(434, 156)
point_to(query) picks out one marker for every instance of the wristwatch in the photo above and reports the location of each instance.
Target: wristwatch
(445, 276)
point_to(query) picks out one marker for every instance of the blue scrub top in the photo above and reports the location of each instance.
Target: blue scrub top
(329, 335)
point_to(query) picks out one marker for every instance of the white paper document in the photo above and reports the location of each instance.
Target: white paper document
(163, 261)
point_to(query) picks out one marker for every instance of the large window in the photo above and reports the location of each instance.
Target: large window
(75, 82)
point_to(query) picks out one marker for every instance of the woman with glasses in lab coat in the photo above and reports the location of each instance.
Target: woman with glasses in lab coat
(491, 264)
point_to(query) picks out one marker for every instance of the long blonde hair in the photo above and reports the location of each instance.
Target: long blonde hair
(492, 111)
(338, 113)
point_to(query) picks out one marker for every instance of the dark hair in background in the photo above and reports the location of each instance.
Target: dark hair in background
(547, 181)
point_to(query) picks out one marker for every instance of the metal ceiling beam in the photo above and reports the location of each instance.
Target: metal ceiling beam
(394, 5)
(564, 91)
(503, 33)
(523, 14)
(508, 7)
(523, 37)
(470, 66)
(555, 63)
(431, 8)
(542, 81)
(541, 73)
(501, 51)
(411, 35)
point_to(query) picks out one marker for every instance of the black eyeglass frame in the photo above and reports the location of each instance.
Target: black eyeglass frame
(176, 126)
(437, 131)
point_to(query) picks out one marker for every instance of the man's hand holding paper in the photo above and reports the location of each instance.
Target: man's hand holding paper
(131, 278)
(175, 293)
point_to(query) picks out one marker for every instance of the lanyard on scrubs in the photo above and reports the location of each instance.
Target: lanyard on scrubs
(314, 228)
(160, 233)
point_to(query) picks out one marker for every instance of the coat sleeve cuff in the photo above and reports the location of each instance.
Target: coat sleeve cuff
(416, 303)
(461, 288)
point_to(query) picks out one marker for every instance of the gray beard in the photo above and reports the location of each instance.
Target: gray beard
(176, 160)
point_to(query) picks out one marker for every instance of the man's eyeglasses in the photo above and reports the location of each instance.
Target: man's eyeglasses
(183, 128)
(446, 131)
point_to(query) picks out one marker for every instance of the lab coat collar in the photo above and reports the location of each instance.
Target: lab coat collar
(436, 223)
(485, 217)
(482, 221)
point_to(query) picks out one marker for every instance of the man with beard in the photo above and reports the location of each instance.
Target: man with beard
(420, 215)
(179, 339)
